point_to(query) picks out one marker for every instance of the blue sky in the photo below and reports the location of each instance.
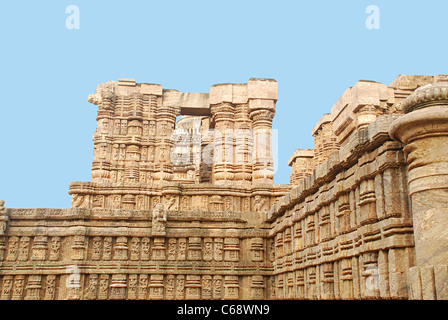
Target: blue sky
(314, 49)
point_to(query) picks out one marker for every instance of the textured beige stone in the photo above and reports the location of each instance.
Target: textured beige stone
(364, 216)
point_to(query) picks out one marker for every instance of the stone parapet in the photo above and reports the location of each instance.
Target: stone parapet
(345, 232)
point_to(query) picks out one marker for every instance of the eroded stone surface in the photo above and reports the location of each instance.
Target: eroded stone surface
(187, 209)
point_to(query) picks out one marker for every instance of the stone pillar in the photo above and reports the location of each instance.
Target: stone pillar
(262, 96)
(325, 141)
(222, 110)
(424, 132)
(302, 165)
(166, 120)
(243, 145)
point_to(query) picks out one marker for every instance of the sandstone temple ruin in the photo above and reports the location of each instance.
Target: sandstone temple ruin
(182, 205)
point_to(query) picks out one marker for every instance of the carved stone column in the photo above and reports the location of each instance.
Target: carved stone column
(243, 145)
(104, 99)
(262, 96)
(166, 120)
(424, 132)
(222, 110)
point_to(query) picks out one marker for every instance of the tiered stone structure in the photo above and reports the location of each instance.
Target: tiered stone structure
(186, 208)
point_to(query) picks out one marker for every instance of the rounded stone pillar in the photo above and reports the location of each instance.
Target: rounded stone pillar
(424, 132)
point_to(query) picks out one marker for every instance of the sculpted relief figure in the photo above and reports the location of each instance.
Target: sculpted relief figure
(159, 214)
(159, 219)
(260, 204)
(170, 202)
(79, 201)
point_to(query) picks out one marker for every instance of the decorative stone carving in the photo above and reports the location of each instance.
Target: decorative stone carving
(55, 247)
(24, 248)
(170, 285)
(135, 249)
(6, 287)
(260, 204)
(118, 287)
(17, 291)
(39, 248)
(172, 249)
(13, 248)
(78, 247)
(424, 131)
(156, 287)
(180, 287)
(231, 249)
(92, 287)
(121, 249)
(103, 288)
(159, 249)
(143, 287)
(3, 218)
(231, 287)
(107, 248)
(96, 248)
(364, 218)
(145, 250)
(159, 220)
(50, 287)
(132, 287)
(194, 248)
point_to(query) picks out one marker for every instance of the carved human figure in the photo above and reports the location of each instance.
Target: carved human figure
(50, 287)
(132, 292)
(180, 287)
(135, 248)
(204, 203)
(55, 246)
(24, 248)
(116, 202)
(91, 290)
(18, 288)
(6, 288)
(107, 248)
(140, 201)
(182, 249)
(172, 249)
(170, 287)
(103, 286)
(143, 286)
(185, 203)
(217, 287)
(159, 214)
(145, 254)
(96, 248)
(208, 249)
(13, 243)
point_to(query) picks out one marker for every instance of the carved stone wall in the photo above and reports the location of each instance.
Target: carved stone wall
(187, 209)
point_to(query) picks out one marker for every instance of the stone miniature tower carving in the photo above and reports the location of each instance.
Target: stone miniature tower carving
(223, 137)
